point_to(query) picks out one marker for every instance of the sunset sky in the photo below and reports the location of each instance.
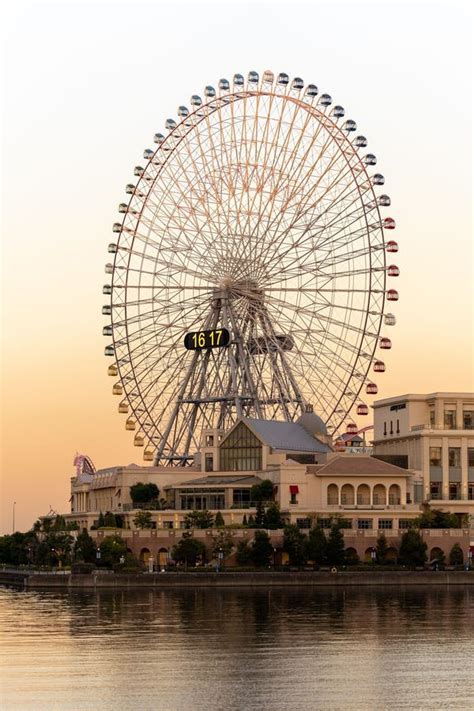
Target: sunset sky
(86, 85)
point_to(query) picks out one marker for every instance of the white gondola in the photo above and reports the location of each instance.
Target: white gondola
(196, 100)
(297, 84)
(370, 159)
(109, 350)
(378, 179)
(384, 201)
(224, 85)
(325, 100)
(183, 111)
(253, 77)
(138, 170)
(112, 370)
(170, 124)
(130, 189)
(117, 228)
(349, 126)
(106, 310)
(209, 91)
(238, 80)
(148, 154)
(109, 268)
(268, 77)
(123, 408)
(158, 138)
(283, 79)
(117, 389)
(360, 141)
(107, 330)
(112, 248)
(107, 289)
(123, 207)
(389, 320)
(337, 112)
(311, 90)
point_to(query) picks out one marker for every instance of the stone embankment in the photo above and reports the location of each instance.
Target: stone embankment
(62, 581)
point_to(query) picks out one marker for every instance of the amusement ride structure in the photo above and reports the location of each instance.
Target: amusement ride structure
(249, 273)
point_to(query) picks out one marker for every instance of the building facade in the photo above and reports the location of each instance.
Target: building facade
(433, 436)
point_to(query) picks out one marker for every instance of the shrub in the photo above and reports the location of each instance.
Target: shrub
(262, 549)
(412, 549)
(456, 556)
(273, 517)
(219, 520)
(335, 546)
(243, 555)
(143, 520)
(294, 543)
(199, 519)
(381, 548)
(188, 550)
(316, 545)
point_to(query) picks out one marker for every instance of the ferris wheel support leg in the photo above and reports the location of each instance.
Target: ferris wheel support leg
(232, 359)
(243, 359)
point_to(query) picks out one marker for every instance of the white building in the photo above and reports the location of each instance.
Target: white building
(432, 435)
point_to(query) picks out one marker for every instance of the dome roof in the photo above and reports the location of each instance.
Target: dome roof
(313, 424)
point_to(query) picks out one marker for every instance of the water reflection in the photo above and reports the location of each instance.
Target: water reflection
(239, 649)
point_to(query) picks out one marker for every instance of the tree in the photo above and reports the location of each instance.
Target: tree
(244, 553)
(59, 523)
(251, 522)
(112, 549)
(188, 550)
(456, 556)
(262, 550)
(18, 548)
(381, 548)
(84, 548)
(199, 519)
(101, 520)
(55, 548)
(109, 520)
(219, 521)
(351, 557)
(143, 520)
(273, 516)
(263, 491)
(335, 546)
(316, 545)
(260, 514)
(435, 518)
(141, 493)
(222, 542)
(412, 549)
(294, 543)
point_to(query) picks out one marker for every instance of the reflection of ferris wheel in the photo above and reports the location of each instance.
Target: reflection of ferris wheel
(256, 217)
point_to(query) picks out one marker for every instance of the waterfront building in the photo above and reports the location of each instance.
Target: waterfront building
(310, 481)
(433, 436)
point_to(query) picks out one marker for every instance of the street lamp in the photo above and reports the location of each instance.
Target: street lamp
(220, 557)
(274, 558)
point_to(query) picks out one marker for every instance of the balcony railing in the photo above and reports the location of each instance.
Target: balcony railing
(417, 428)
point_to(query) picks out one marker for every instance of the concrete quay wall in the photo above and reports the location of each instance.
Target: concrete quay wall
(117, 581)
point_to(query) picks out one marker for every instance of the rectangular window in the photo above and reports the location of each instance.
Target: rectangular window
(398, 426)
(454, 491)
(405, 523)
(468, 419)
(325, 522)
(385, 428)
(450, 419)
(454, 456)
(470, 456)
(391, 427)
(386, 523)
(365, 523)
(435, 456)
(432, 417)
(303, 523)
(209, 440)
(470, 492)
(435, 490)
(209, 463)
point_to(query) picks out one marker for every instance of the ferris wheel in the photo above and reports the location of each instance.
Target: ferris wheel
(249, 274)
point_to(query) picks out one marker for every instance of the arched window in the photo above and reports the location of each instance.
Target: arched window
(347, 495)
(394, 495)
(379, 495)
(144, 555)
(363, 495)
(333, 494)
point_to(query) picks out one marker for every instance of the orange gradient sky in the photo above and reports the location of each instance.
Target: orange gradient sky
(85, 88)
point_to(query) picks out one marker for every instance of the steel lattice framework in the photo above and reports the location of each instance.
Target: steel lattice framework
(256, 213)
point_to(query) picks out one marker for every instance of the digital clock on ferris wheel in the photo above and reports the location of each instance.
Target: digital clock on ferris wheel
(199, 340)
